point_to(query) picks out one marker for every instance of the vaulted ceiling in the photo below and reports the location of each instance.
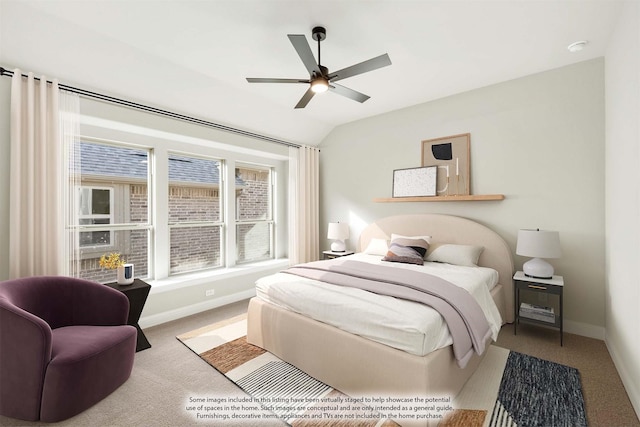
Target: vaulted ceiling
(193, 56)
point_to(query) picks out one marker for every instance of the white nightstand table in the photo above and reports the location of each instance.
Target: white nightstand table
(332, 255)
(537, 315)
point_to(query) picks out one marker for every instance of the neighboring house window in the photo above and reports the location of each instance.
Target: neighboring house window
(254, 213)
(195, 213)
(94, 205)
(110, 211)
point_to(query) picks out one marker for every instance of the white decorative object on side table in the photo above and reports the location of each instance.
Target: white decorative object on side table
(125, 274)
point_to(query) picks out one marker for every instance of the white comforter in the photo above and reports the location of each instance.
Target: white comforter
(405, 325)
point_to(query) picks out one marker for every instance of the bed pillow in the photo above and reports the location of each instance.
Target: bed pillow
(377, 247)
(420, 245)
(466, 255)
(404, 254)
(400, 236)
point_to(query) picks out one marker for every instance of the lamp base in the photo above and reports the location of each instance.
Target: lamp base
(338, 246)
(538, 269)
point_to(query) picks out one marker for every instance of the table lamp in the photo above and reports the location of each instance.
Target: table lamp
(538, 244)
(338, 232)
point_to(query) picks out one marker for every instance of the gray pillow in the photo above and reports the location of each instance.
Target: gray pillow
(404, 254)
(419, 245)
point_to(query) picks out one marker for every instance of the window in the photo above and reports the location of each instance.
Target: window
(254, 213)
(95, 208)
(171, 204)
(195, 213)
(110, 210)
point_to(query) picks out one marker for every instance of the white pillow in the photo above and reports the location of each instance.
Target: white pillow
(466, 255)
(377, 247)
(400, 236)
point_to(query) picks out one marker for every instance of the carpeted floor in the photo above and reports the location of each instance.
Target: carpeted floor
(166, 375)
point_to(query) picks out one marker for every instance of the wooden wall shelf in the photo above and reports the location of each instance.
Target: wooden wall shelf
(467, 198)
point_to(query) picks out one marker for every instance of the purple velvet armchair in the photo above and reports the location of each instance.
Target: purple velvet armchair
(64, 346)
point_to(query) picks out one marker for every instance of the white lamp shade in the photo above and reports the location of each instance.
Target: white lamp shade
(539, 244)
(338, 231)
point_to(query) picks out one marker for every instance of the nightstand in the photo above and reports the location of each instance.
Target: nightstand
(137, 294)
(332, 255)
(537, 314)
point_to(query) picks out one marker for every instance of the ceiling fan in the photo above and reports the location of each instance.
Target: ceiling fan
(320, 80)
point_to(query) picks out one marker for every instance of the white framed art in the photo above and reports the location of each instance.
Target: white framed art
(415, 182)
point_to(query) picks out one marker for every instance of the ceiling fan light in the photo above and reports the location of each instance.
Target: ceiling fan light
(319, 85)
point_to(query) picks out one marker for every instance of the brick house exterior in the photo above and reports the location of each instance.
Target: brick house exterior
(193, 196)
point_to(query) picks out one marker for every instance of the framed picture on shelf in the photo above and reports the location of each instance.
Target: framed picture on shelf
(414, 182)
(451, 155)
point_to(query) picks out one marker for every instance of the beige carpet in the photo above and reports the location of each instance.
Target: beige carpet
(549, 392)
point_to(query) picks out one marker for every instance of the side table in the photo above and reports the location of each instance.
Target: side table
(137, 294)
(553, 286)
(332, 255)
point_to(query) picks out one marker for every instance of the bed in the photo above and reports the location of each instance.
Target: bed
(360, 366)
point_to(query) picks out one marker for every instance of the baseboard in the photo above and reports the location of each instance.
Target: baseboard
(625, 376)
(178, 313)
(584, 329)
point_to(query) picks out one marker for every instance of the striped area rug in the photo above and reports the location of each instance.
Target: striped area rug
(509, 389)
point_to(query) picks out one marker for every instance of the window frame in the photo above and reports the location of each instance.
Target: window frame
(220, 223)
(119, 200)
(269, 221)
(163, 143)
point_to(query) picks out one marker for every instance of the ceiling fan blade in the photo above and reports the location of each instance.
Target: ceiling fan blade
(363, 67)
(305, 98)
(349, 93)
(301, 46)
(261, 80)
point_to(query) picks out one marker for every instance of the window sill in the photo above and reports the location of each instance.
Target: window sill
(194, 279)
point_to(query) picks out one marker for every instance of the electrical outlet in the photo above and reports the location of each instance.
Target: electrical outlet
(209, 292)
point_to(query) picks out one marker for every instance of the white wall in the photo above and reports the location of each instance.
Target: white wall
(539, 140)
(622, 200)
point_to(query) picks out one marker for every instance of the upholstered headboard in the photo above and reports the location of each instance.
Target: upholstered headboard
(451, 229)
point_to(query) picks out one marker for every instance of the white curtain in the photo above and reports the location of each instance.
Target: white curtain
(36, 211)
(70, 138)
(304, 225)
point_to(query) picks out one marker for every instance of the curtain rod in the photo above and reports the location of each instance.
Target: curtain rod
(166, 113)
